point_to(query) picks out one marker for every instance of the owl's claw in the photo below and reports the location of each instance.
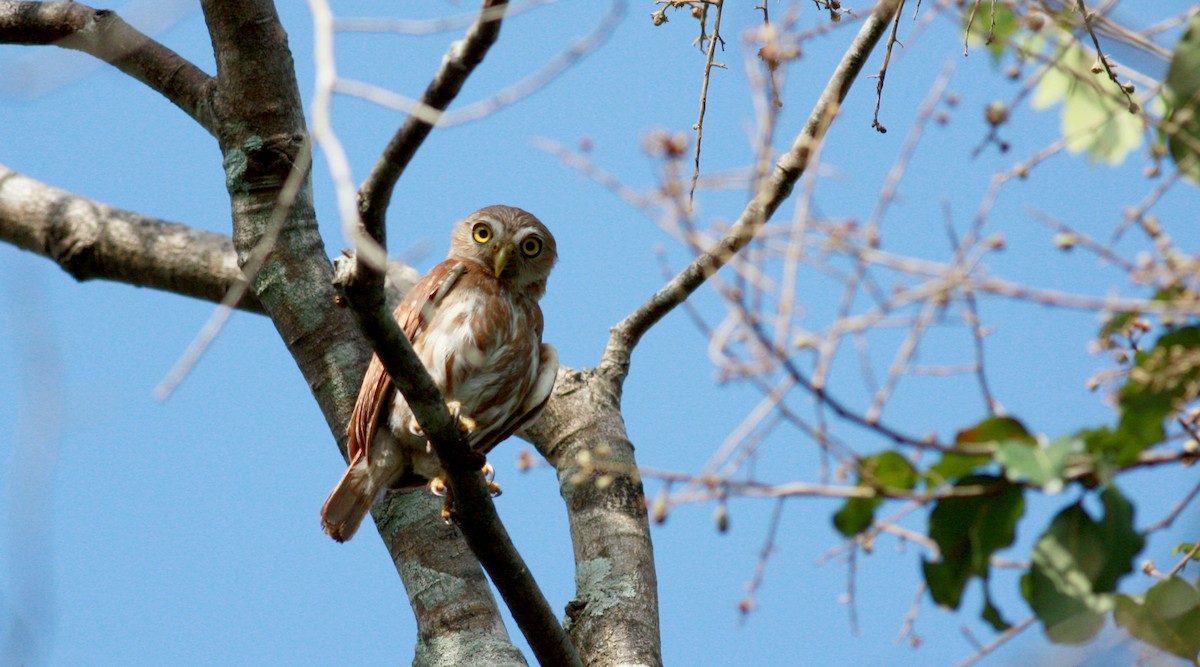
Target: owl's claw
(439, 488)
(465, 423)
(489, 475)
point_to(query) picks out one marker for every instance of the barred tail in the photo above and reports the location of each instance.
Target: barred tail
(349, 501)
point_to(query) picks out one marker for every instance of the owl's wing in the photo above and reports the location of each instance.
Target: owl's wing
(535, 401)
(375, 394)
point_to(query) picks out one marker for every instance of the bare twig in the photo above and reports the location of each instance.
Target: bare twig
(999, 641)
(1169, 519)
(1112, 76)
(474, 511)
(747, 604)
(713, 41)
(883, 68)
(506, 97)
(625, 335)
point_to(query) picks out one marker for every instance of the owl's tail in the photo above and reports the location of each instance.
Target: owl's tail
(349, 501)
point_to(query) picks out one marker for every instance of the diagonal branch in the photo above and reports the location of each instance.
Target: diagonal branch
(475, 513)
(462, 58)
(90, 240)
(614, 364)
(103, 34)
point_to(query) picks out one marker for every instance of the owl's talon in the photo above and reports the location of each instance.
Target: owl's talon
(415, 428)
(465, 423)
(437, 486)
(447, 506)
(489, 475)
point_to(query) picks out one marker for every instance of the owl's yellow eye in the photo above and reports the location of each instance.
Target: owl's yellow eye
(482, 233)
(531, 246)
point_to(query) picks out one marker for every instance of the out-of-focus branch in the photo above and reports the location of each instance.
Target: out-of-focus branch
(90, 240)
(775, 189)
(103, 34)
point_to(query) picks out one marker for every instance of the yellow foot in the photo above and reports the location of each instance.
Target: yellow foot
(465, 423)
(439, 488)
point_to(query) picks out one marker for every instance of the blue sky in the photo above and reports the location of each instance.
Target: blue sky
(186, 532)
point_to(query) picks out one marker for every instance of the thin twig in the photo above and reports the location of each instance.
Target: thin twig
(883, 68)
(708, 65)
(1112, 76)
(560, 63)
(474, 511)
(1169, 519)
(615, 361)
(999, 641)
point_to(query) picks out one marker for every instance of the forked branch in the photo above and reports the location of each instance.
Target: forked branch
(475, 513)
(791, 165)
(103, 34)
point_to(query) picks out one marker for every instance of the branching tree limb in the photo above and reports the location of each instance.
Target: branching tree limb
(260, 128)
(90, 240)
(772, 193)
(474, 512)
(464, 56)
(103, 34)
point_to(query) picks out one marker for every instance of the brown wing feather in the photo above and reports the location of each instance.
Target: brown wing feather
(375, 394)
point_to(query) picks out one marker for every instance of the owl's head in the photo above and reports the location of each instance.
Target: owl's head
(513, 245)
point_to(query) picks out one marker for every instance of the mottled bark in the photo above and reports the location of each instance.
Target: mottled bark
(261, 128)
(253, 107)
(90, 240)
(613, 618)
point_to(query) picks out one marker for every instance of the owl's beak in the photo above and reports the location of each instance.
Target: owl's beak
(502, 254)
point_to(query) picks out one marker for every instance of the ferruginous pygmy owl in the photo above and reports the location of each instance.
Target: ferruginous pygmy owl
(475, 323)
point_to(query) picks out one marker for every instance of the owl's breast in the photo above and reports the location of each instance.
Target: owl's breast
(482, 350)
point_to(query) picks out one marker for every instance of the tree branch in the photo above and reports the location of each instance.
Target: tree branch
(614, 364)
(462, 58)
(261, 126)
(474, 512)
(613, 618)
(103, 34)
(91, 240)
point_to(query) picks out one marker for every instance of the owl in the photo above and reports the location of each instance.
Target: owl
(475, 323)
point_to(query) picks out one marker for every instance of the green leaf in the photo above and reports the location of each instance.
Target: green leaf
(1167, 616)
(1037, 464)
(1184, 548)
(1095, 116)
(855, 516)
(968, 530)
(1076, 565)
(1181, 93)
(994, 429)
(954, 465)
(1162, 380)
(884, 470)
